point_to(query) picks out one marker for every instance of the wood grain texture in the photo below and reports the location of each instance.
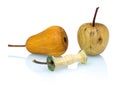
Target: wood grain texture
(93, 39)
(52, 41)
(69, 59)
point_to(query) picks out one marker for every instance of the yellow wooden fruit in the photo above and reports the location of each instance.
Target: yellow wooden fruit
(52, 41)
(93, 39)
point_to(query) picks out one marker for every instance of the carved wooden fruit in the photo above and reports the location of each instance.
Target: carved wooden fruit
(93, 37)
(52, 41)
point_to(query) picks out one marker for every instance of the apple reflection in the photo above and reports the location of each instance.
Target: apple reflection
(95, 67)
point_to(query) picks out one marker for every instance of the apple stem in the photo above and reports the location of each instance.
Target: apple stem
(38, 62)
(93, 23)
(9, 45)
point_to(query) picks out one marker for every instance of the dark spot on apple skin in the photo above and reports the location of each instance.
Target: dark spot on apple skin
(85, 29)
(99, 40)
(90, 47)
(92, 33)
(97, 30)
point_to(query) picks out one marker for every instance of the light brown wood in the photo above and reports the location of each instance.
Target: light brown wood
(69, 59)
(93, 39)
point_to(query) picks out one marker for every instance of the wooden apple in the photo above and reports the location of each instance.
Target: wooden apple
(93, 37)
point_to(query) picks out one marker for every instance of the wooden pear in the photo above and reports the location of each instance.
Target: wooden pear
(52, 41)
(93, 37)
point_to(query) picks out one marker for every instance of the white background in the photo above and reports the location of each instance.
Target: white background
(20, 19)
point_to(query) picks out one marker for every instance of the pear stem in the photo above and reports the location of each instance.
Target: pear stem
(9, 45)
(38, 62)
(93, 23)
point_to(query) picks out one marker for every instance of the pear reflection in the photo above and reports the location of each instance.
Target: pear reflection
(95, 67)
(38, 67)
(30, 64)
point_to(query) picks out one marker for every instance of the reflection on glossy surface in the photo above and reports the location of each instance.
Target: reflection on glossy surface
(38, 68)
(95, 68)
